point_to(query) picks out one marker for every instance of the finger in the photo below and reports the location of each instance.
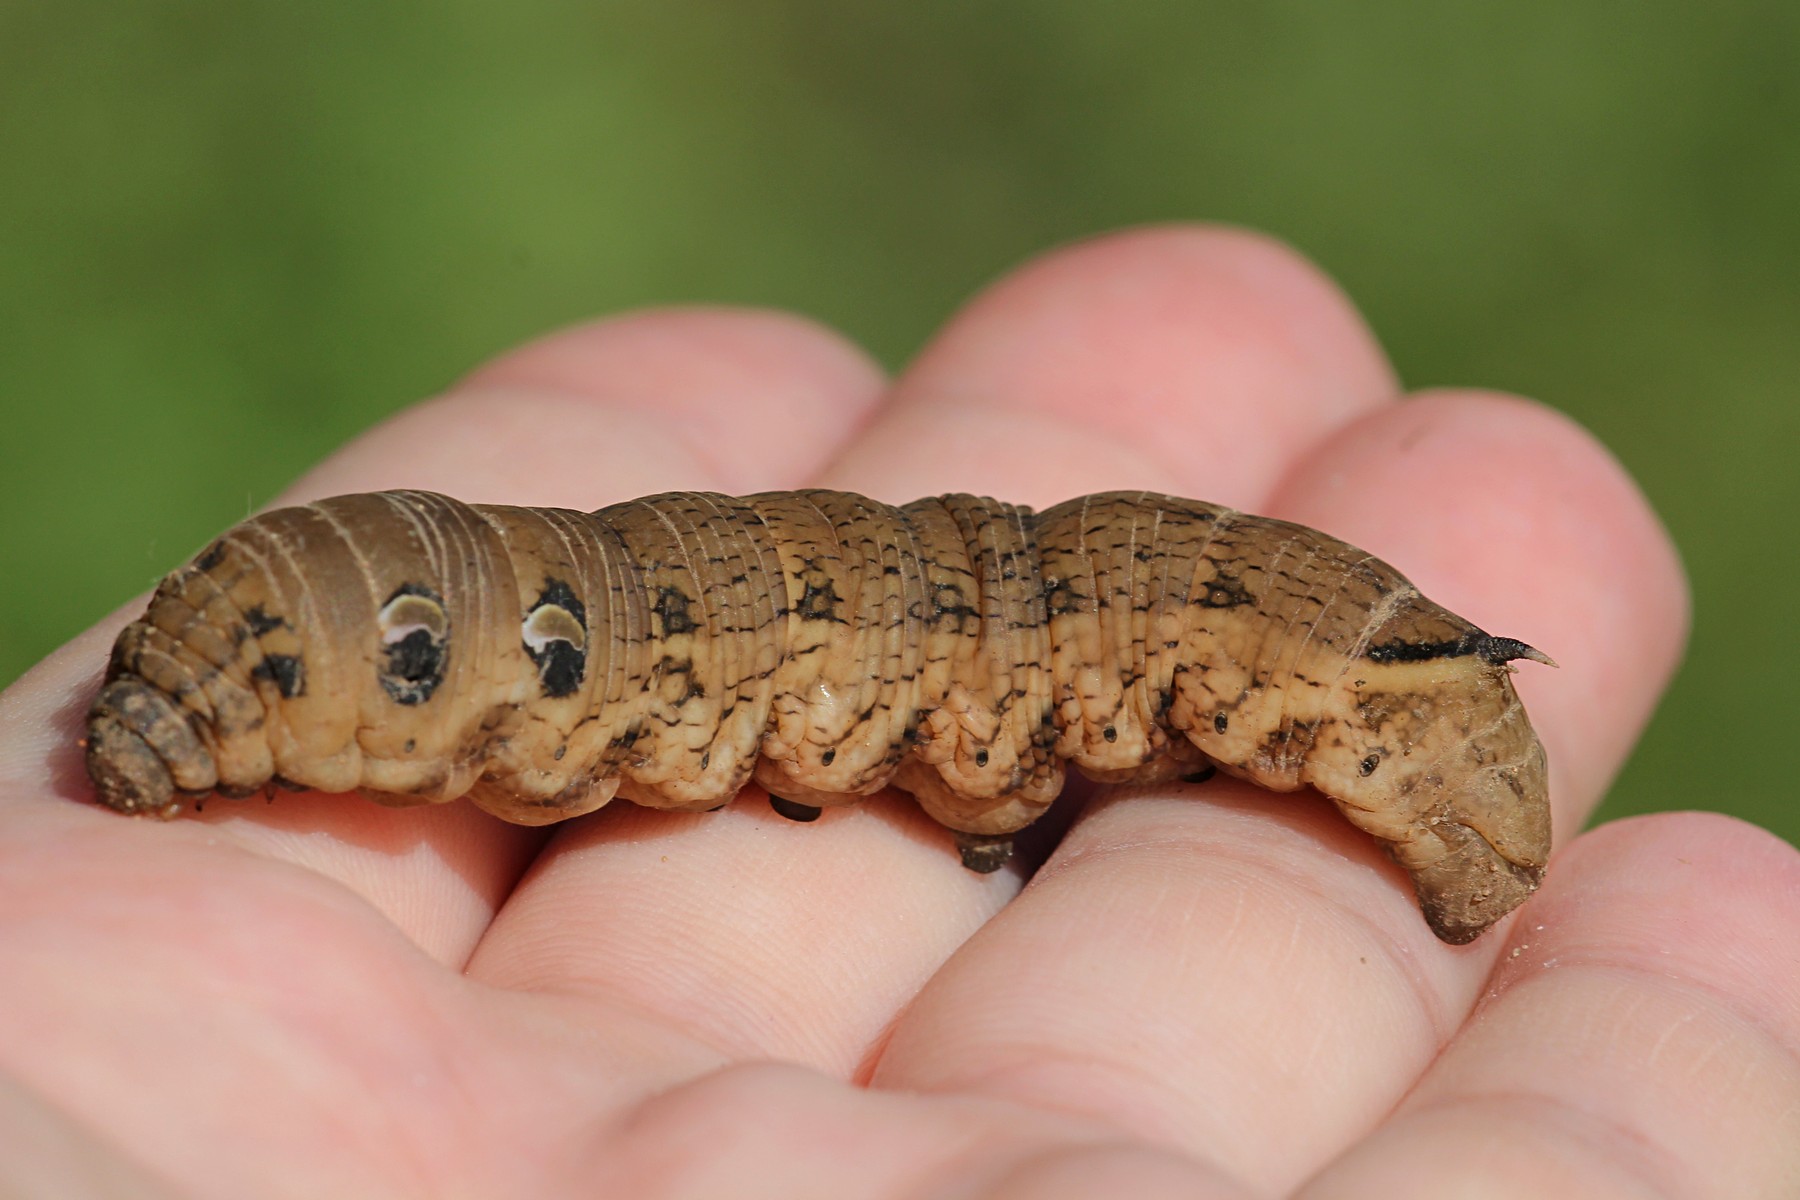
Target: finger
(815, 1136)
(772, 940)
(745, 934)
(1641, 1036)
(1183, 359)
(721, 399)
(585, 417)
(1204, 964)
(1560, 551)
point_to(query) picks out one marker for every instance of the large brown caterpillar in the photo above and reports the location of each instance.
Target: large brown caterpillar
(672, 649)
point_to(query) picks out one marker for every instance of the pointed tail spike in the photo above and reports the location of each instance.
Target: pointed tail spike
(1500, 650)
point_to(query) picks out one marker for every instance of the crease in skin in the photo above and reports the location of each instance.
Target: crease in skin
(670, 649)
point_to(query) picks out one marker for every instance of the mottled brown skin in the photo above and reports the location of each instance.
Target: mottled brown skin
(672, 649)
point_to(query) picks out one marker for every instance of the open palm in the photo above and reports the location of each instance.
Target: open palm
(1205, 991)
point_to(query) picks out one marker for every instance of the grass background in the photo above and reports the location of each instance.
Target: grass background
(233, 235)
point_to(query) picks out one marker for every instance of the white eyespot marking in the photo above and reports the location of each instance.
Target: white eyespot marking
(552, 623)
(408, 614)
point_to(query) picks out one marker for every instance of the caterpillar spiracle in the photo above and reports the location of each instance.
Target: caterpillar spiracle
(674, 648)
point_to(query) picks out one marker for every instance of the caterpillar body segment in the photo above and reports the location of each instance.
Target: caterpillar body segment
(672, 649)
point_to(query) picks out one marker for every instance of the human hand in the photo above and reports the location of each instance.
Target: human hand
(1208, 991)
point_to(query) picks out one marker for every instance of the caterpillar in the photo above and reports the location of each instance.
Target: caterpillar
(672, 649)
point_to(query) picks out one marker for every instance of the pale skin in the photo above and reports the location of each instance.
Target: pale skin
(1207, 991)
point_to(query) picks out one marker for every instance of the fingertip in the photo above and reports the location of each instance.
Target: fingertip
(1135, 359)
(696, 354)
(1227, 295)
(704, 398)
(1450, 474)
(1696, 894)
(1513, 515)
(1642, 1024)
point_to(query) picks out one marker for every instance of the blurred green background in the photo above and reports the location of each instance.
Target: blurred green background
(233, 235)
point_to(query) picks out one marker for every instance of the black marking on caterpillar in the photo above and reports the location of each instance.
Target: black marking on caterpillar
(819, 602)
(1223, 591)
(555, 636)
(1488, 648)
(671, 608)
(286, 672)
(415, 637)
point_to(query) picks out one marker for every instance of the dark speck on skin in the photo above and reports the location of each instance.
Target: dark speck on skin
(287, 672)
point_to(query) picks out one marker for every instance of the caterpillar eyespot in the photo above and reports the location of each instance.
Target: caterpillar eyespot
(674, 648)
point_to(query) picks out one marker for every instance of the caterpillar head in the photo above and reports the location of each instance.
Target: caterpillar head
(134, 734)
